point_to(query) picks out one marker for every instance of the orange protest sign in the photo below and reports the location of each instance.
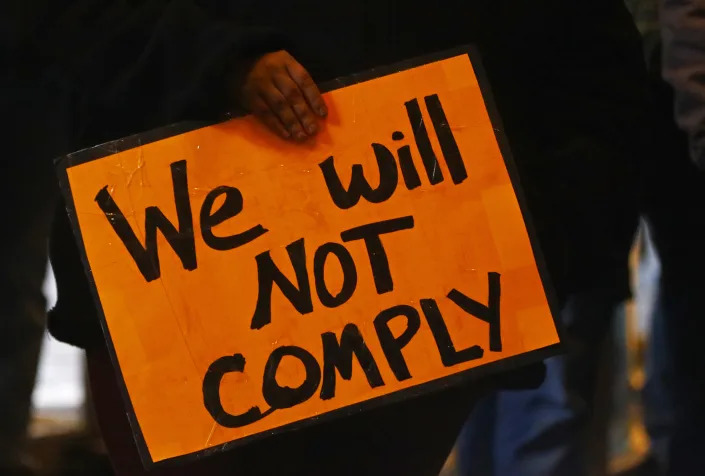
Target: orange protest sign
(250, 284)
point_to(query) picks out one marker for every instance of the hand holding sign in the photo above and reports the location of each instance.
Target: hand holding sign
(281, 93)
(386, 257)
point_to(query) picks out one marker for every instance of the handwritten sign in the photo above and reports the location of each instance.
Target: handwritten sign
(249, 284)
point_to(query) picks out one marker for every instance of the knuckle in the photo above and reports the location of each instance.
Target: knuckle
(254, 83)
(279, 104)
(287, 118)
(271, 69)
(307, 81)
(292, 94)
(317, 104)
(305, 115)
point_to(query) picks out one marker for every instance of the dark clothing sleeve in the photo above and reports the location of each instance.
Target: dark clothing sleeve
(133, 66)
(74, 319)
(683, 31)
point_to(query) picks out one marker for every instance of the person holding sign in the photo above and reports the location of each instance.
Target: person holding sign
(552, 85)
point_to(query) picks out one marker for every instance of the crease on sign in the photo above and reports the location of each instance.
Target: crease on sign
(210, 435)
(138, 231)
(138, 168)
(458, 127)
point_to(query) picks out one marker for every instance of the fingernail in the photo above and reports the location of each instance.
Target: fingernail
(312, 128)
(300, 136)
(322, 111)
(286, 134)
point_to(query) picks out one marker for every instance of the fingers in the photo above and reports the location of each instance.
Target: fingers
(283, 110)
(308, 87)
(296, 100)
(265, 114)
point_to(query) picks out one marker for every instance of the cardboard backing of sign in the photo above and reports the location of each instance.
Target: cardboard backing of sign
(250, 285)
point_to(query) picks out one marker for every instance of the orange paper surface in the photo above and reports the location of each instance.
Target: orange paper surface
(167, 332)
